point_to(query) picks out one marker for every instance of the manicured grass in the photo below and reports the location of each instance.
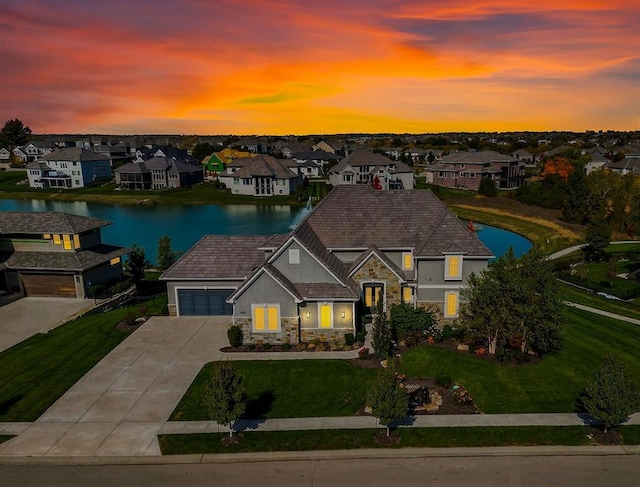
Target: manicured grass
(624, 308)
(37, 371)
(259, 441)
(551, 385)
(288, 389)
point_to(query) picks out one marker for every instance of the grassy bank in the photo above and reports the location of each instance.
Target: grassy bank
(409, 438)
(623, 308)
(37, 371)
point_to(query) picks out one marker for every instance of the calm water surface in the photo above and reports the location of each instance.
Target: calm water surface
(186, 225)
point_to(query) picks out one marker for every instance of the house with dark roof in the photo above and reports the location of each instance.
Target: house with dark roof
(363, 166)
(55, 254)
(357, 246)
(630, 164)
(159, 173)
(464, 170)
(71, 167)
(262, 175)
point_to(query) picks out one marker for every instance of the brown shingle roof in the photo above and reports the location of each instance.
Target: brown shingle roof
(65, 261)
(470, 157)
(30, 222)
(219, 257)
(263, 165)
(359, 217)
(74, 154)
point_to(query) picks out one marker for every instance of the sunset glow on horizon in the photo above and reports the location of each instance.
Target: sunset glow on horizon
(290, 67)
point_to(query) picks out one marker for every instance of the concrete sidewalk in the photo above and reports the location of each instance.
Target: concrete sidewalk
(603, 313)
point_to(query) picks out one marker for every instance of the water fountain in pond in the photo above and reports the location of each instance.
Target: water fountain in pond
(300, 216)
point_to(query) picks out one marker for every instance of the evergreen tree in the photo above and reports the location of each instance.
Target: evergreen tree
(14, 133)
(224, 396)
(598, 235)
(166, 256)
(381, 338)
(388, 401)
(487, 187)
(611, 396)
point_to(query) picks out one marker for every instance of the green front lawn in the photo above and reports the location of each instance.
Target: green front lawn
(37, 371)
(260, 441)
(551, 385)
(288, 389)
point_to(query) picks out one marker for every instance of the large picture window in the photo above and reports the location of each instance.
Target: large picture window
(266, 317)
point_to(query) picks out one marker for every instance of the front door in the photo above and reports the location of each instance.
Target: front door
(372, 293)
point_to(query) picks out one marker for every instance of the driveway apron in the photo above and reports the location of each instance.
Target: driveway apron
(119, 406)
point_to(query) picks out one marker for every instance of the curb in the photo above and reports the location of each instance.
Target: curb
(328, 455)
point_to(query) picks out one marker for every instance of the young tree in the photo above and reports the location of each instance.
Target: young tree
(166, 256)
(136, 263)
(224, 396)
(388, 401)
(14, 133)
(598, 235)
(611, 396)
(381, 337)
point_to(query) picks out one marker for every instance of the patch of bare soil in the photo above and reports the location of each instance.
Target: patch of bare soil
(366, 363)
(232, 440)
(599, 437)
(382, 439)
(129, 327)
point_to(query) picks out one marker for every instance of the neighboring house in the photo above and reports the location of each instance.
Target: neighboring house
(5, 154)
(311, 163)
(326, 146)
(262, 175)
(597, 161)
(524, 156)
(630, 164)
(161, 151)
(293, 147)
(365, 167)
(55, 254)
(357, 246)
(67, 168)
(159, 173)
(217, 162)
(465, 169)
(36, 150)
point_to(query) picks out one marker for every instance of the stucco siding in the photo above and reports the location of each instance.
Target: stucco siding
(308, 270)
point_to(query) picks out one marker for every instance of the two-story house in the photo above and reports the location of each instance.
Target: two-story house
(363, 166)
(55, 254)
(262, 175)
(357, 246)
(67, 168)
(159, 173)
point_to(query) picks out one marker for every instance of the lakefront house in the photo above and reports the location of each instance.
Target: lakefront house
(355, 247)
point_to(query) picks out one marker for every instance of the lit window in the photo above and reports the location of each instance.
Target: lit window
(76, 241)
(407, 294)
(294, 256)
(266, 317)
(451, 305)
(407, 260)
(114, 261)
(56, 239)
(66, 242)
(453, 267)
(47, 236)
(325, 314)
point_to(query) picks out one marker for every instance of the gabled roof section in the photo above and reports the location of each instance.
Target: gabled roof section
(219, 257)
(30, 222)
(364, 157)
(264, 165)
(377, 253)
(324, 290)
(306, 237)
(471, 157)
(453, 248)
(275, 274)
(359, 217)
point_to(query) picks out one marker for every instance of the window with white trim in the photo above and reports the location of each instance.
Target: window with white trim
(453, 268)
(266, 317)
(407, 294)
(407, 261)
(325, 315)
(451, 301)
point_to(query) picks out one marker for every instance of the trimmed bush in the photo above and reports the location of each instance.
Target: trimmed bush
(266, 346)
(234, 333)
(349, 339)
(286, 346)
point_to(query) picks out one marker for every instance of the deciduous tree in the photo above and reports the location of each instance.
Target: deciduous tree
(14, 133)
(166, 255)
(136, 263)
(224, 397)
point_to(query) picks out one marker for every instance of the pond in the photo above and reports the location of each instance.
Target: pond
(186, 225)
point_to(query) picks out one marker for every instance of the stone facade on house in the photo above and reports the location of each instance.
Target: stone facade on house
(288, 333)
(375, 270)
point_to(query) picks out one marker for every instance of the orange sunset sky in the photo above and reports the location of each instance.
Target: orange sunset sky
(299, 67)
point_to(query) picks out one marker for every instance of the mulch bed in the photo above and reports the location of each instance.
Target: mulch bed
(599, 437)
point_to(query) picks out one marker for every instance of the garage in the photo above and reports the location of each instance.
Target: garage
(49, 285)
(204, 302)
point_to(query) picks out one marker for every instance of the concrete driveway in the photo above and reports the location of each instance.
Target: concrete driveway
(26, 317)
(120, 405)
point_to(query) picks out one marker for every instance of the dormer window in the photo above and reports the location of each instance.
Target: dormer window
(453, 268)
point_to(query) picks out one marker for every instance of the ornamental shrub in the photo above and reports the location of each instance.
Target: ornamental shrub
(349, 339)
(443, 379)
(234, 333)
